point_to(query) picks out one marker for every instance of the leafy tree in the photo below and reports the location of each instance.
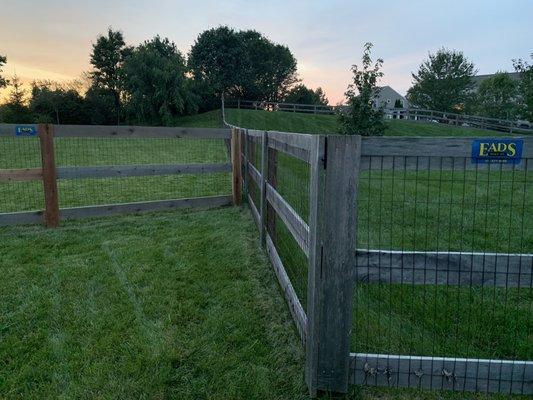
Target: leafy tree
(107, 57)
(157, 88)
(54, 103)
(443, 82)
(525, 88)
(496, 97)
(360, 117)
(398, 104)
(301, 94)
(100, 106)
(3, 81)
(242, 64)
(15, 110)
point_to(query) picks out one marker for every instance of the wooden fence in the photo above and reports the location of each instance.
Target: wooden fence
(412, 114)
(49, 173)
(334, 265)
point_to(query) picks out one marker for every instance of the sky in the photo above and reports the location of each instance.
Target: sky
(52, 39)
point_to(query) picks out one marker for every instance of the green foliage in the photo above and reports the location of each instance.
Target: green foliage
(398, 104)
(443, 82)
(361, 118)
(15, 110)
(525, 88)
(53, 103)
(3, 81)
(241, 64)
(496, 97)
(301, 94)
(157, 89)
(107, 57)
(100, 105)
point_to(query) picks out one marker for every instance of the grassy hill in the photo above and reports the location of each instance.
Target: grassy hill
(311, 123)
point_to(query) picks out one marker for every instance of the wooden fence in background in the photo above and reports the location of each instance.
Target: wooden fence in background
(412, 114)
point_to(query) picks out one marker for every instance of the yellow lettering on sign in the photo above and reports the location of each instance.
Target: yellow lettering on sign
(482, 149)
(512, 149)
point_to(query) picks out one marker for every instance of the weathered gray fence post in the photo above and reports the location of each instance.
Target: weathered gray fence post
(263, 201)
(332, 228)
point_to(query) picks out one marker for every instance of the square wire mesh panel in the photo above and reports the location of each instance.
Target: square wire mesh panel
(20, 153)
(419, 214)
(290, 178)
(96, 152)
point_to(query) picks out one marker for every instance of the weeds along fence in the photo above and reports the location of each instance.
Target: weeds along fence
(405, 262)
(53, 172)
(412, 114)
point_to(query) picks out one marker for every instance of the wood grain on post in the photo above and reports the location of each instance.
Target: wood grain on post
(51, 200)
(272, 179)
(332, 236)
(236, 160)
(262, 188)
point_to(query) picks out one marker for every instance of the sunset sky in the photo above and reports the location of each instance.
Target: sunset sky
(52, 39)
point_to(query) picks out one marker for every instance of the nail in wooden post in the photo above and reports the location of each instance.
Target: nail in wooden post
(332, 237)
(51, 200)
(236, 168)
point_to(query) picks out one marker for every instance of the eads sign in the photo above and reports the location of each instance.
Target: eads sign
(502, 151)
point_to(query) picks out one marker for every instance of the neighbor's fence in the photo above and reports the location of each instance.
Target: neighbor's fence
(412, 114)
(404, 264)
(55, 172)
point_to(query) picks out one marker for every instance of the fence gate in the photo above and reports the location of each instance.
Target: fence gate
(405, 262)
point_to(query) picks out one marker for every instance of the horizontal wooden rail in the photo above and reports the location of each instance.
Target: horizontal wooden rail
(31, 217)
(297, 145)
(294, 223)
(21, 218)
(140, 207)
(254, 173)
(116, 171)
(22, 174)
(444, 268)
(255, 133)
(126, 131)
(255, 212)
(424, 147)
(295, 307)
(459, 374)
(140, 132)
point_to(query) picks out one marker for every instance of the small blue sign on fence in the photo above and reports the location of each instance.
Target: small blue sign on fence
(25, 130)
(499, 151)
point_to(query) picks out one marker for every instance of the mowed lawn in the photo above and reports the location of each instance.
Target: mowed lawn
(179, 305)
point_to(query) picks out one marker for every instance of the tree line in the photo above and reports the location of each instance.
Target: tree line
(153, 83)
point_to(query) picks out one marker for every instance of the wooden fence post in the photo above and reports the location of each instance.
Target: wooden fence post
(236, 161)
(245, 160)
(263, 201)
(51, 200)
(332, 228)
(272, 179)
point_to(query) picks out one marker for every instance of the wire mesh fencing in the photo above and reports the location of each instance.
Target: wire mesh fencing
(97, 166)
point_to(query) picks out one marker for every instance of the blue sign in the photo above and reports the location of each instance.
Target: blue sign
(500, 151)
(25, 130)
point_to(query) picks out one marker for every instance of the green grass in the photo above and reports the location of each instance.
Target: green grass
(170, 305)
(328, 124)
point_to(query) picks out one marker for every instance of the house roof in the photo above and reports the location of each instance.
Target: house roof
(480, 78)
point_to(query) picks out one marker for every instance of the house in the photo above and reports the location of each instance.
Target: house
(480, 78)
(387, 98)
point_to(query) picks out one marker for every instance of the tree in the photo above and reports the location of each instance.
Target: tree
(15, 110)
(361, 118)
(525, 88)
(398, 104)
(242, 64)
(3, 81)
(107, 57)
(301, 94)
(443, 82)
(55, 103)
(496, 97)
(156, 87)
